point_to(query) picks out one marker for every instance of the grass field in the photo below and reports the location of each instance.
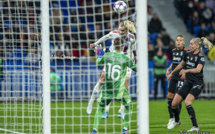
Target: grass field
(66, 118)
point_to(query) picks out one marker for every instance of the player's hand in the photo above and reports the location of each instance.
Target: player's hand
(169, 76)
(183, 76)
(182, 72)
(167, 72)
(99, 51)
(92, 45)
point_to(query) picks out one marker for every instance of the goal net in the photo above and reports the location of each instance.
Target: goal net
(20, 66)
(74, 25)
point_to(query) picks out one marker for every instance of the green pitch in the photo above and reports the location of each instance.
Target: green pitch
(71, 117)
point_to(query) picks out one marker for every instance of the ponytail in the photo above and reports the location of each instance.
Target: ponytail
(129, 25)
(207, 43)
(203, 41)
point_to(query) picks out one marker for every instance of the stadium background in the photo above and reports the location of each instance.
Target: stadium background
(20, 45)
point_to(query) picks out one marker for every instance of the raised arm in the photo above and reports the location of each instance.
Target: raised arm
(102, 39)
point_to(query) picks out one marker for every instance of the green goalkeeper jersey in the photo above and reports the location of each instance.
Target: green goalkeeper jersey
(116, 64)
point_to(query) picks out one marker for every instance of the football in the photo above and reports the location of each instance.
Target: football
(120, 7)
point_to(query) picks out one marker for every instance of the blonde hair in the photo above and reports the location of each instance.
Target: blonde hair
(203, 41)
(129, 25)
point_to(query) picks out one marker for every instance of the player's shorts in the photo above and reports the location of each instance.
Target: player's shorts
(129, 72)
(175, 85)
(188, 88)
(125, 100)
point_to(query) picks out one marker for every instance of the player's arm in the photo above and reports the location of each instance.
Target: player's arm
(197, 69)
(102, 39)
(132, 65)
(178, 68)
(168, 70)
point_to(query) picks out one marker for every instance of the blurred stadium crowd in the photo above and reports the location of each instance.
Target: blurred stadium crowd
(72, 29)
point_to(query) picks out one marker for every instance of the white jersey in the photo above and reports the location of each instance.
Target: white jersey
(129, 44)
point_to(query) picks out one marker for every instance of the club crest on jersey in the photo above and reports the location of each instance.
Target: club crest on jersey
(191, 58)
(196, 58)
(176, 53)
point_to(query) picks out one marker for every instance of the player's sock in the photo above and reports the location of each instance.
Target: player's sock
(179, 107)
(128, 114)
(170, 108)
(95, 91)
(176, 113)
(192, 115)
(107, 107)
(122, 109)
(98, 116)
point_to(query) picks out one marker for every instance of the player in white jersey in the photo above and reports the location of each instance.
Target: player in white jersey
(129, 49)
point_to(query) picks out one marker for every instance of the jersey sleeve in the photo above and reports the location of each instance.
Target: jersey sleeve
(202, 60)
(185, 57)
(110, 35)
(132, 65)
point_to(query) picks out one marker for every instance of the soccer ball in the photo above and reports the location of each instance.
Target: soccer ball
(120, 7)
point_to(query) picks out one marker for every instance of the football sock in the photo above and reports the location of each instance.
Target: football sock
(170, 107)
(107, 107)
(95, 91)
(128, 114)
(98, 116)
(176, 113)
(192, 115)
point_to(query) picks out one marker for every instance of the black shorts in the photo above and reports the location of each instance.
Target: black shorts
(175, 85)
(189, 88)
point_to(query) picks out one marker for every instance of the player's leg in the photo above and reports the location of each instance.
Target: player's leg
(182, 93)
(179, 85)
(106, 112)
(194, 93)
(95, 92)
(99, 112)
(121, 112)
(170, 96)
(127, 102)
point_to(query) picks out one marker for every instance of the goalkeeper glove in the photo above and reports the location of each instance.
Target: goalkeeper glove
(99, 51)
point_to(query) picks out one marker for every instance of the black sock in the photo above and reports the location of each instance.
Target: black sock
(170, 107)
(179, 107)
(176, 113)
(192, 115)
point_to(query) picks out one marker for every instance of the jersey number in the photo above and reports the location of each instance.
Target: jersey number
(115, 69)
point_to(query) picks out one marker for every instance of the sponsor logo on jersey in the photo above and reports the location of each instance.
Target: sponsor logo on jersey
(177, 58)
(190, 63)
(181, 53)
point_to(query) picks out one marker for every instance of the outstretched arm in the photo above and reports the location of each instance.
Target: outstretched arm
(102, 39)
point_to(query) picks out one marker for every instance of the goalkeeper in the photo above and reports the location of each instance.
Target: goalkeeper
(128, 48)
(116, 64)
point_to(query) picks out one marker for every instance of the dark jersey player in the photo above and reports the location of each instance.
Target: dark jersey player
(193, 62)
(175, 82)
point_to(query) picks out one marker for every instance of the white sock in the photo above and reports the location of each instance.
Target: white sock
(107, 107)
(95, 91)
(122, 109)
(125, 128)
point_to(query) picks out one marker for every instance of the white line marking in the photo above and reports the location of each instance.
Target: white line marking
(14, 132)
